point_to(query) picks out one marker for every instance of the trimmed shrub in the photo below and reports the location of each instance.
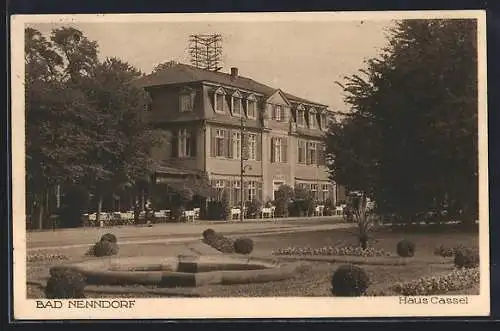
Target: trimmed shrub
(447, 251)
(109, 237)
(219, 242)
(459, 279)
(65, 284)
(43, 256)
(349, 281)
(208, 233)
(406, 248)
(466, 258)
(282, 200)
(105, 248)
(243, 246)
(253, 208)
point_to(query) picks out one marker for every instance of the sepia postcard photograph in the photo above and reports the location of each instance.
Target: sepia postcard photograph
(250, 165)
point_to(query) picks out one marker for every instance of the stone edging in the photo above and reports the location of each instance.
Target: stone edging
(376, 260)
(182, 270)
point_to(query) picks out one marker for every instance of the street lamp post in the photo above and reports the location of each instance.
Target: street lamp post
(242, 168)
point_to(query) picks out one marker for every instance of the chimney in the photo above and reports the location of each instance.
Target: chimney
(234, 73)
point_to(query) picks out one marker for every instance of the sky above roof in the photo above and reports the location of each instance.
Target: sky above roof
(304, 58)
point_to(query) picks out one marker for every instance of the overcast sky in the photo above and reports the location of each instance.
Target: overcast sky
(302, 58)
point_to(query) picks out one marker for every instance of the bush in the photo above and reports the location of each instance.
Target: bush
(105, 248)
(219, 242)
(109, 237)
(253, 208)
(42, 256)
(208, 233)
(349, 281)
(214, 210)
(406, 248)
(243, 246)
(466, 258)
(65, 284)
(303, 202)
(282, 200)
(459, 279)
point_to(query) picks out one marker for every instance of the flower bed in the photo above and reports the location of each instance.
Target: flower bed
(459, 279)
(44, 256)
(448, 251)
(331, 251)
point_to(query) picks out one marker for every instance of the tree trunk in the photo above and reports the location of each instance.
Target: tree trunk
(39, 210)
(99, 208)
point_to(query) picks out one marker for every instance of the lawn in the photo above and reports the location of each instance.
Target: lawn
(313, 280)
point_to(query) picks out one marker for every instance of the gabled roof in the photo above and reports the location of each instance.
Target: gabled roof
(183, 73)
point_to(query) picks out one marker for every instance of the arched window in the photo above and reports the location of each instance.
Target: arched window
(236, 105)
(252, 107)
(219, 101)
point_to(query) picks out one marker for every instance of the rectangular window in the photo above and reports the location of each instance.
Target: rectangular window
(277, 149)
(219, 102)
(236, 193)
(184, 143)
(325, 188)
(314, 191)
(312, 153)
(251, 109)
(236, 145)
(300, 117)
(301, 151)
(186, 102)
(252, 190)
(236, 106)
(312, 120)
(252, 146)
(219, 186)
(278, 113)
(219, 142)
(323, 122)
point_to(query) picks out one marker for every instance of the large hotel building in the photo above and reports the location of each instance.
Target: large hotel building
(201, 112)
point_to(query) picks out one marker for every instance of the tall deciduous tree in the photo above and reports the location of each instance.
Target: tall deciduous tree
(123, 139)
(411, 139)
(56, 139)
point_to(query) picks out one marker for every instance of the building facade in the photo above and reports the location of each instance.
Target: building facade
(212, 119)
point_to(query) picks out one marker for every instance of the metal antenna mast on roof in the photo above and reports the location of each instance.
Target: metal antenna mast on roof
(206, 51)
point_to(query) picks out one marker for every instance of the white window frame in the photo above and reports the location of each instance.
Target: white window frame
(301, 116)
(236, 99)
(313, 146)
(251, 100)
(325, 192)
(279, 183)
(184, 143)
(219, 137)
(252, 146)
(252, 190)
(236, 140)
(303, 144)
(278, 149)
(183, 97)
(219, 93)
(220, 185)
(312, 118)
(278, 111)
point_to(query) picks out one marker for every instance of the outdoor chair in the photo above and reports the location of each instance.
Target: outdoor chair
(235, 213)
(318, 211)
(339, 211)
(196, 213)
(267, 212)
(188, 215)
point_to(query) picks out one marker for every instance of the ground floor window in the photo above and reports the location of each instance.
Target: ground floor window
(314, 191)
(325, 190)
(252, 190)
(219, 186)
(236, 193)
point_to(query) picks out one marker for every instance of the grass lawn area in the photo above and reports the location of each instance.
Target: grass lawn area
(314, 280)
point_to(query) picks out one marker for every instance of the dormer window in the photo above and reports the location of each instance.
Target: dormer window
(301, 116)
(236, 106)
(323, 122)
(312, 118)
(219, 100)
(251, 107)
(186, 100)
(278, 113)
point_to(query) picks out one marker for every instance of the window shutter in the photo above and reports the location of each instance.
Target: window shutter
(284, 150)
(272, 150)
(321, 154)
(259, 191)
(308, 159)
(194, 144)
(258, 148)
(212, 142)
(175, 144)
(227, 141)
(244, 145)
(230, 143)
